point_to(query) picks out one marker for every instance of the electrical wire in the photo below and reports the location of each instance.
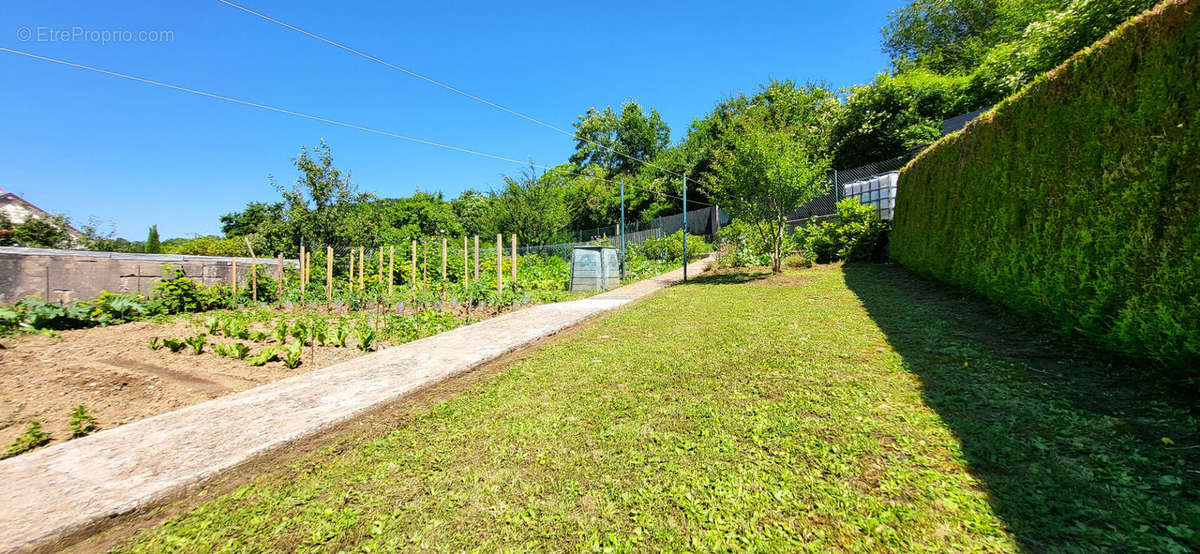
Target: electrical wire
(310, 116)
(451, 88)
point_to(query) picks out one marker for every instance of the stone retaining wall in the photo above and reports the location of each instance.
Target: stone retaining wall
(63, 276)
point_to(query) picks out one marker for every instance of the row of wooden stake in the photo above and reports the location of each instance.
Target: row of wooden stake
(305, 267)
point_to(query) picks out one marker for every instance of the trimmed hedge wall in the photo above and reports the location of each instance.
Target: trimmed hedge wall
(1077, 200)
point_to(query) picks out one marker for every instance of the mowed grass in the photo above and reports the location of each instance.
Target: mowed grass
(847, 409)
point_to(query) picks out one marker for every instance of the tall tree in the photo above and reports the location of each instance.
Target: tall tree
(152, 244)
(619, 141)
(766, 173)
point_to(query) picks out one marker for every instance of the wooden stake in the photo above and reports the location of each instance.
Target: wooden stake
(476, 257)
(279, 276)
(466, 270)
(443, 258)
(328, 274)
(391, 267)
(499, 263)
(362, 281)
(412, 281)
(253, 272)
(514, 259)
(379, 268)
(307, 267)
(300, 271)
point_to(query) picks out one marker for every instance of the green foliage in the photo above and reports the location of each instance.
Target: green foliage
(339, 336)
(265, 355)
(534, 209)
(205, 245)
(37, 232)
(855, 234)
(110, 309)
(617, 141)
(155, 343)
(173, 344)
(33, 437)
(1076, 200)
(82, 423)
(177, 293)
(365, 334)
(670, 247)
(238, 350)
(292, 353)
(770, 169)
(798, 260)
(197, 343)
(152, 244)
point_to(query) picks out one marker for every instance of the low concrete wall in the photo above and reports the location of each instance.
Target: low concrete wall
(63, 276)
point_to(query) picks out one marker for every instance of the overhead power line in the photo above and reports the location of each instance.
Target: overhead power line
(303, 115)
(451, 88)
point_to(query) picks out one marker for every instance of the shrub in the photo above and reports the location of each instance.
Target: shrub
(856, 234)
(1076, 200)
(797, 260)
(177, 293)
(670, 247)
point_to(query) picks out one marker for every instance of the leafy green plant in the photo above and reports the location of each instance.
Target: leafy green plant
(301, 332)
(292, 353)
(197, 343)
(222, 349)
(33, 437)
(238, 350)
(177, 293)
(265, 355)
(213, 325)
(82, 423)
(339, 335)
(174, 345)
(256, 336)
(155, 343)
(281, 331)
(365, 335)
(109, 308)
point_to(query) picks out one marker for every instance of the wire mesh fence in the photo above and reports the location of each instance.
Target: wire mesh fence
(826, 204)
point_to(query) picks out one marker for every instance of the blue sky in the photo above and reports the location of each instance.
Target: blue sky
(91, 145)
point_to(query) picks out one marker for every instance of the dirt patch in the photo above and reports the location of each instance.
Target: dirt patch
(119, 379)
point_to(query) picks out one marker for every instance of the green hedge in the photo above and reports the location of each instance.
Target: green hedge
(1077, 200)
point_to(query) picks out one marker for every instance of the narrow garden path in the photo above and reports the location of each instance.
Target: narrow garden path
(71, 485)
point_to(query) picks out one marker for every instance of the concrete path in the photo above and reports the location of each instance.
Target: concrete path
(65, 487)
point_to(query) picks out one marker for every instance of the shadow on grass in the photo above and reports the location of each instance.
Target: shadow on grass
(729, 277)
(1078, 451)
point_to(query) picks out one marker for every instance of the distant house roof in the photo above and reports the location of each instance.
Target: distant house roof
(959, 121)
(19, 210)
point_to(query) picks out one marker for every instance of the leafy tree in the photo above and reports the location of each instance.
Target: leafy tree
(248, 221)
(617, 141)
(765, 174)
(943, 35)
(534, 209)
(152, 245)
(471, 208)
(38, 232)
(317, 209)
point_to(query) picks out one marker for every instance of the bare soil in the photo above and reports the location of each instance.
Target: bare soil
(118, 378)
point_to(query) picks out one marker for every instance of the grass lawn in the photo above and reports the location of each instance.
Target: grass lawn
(854, 408)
